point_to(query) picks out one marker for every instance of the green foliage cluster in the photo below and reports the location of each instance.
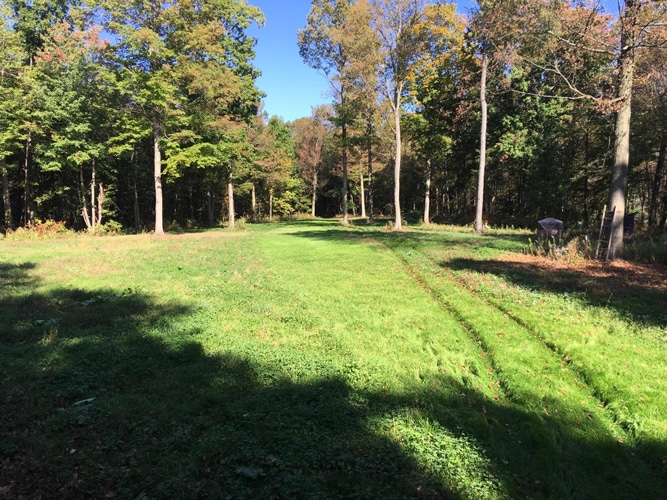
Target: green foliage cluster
(106, 107)
(433, 368)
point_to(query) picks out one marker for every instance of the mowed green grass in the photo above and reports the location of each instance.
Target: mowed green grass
(309, 360)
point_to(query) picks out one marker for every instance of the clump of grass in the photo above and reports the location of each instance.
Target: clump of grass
(575, 250)
(652, 249)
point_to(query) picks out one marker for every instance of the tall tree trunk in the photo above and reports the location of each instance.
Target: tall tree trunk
(254, 202)
(427, 194)
(157, 172)
(93, 220)
(362, 195)
(6, 200)
(27, 212)
(479, 211)
(314, 200)
(100, 203)
(345, 194)
(230, 200)
(370, 170)
(270, 204)
(619, 173)
(398, 221)
(657, 181)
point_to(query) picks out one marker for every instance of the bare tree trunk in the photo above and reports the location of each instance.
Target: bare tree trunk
(314, 200)
(479, 212)
(362, 197)
(6, 200)
(345, 195)
(27, 213)
(619, 173)
(157, 173)
(657, 181)
(398, 221)
(254, 202)
(100, 203)
(271, 204)
(370, 170)
(84, 203)
(427, 194)
(93, 220)
(230, 200)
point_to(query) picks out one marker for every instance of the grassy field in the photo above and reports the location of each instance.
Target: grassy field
(310, 360)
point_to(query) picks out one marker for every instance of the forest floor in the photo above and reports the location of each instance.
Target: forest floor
(619, 273)
(312, 360)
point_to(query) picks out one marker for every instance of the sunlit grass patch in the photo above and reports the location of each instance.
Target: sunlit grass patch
(307, 359)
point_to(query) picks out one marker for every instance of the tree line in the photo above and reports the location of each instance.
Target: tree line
(122, 113)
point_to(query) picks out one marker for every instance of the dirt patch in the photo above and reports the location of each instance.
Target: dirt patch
(648, 276)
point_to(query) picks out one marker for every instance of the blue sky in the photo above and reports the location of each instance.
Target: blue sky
(292, 88)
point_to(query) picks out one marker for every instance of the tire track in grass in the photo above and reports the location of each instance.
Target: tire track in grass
(619, 398)
(573, 418)
(428, 403)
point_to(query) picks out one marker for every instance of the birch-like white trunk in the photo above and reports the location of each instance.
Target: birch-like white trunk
(157, 174)
(479, 209)
(230, 200)
(398, 221)
(427, 194)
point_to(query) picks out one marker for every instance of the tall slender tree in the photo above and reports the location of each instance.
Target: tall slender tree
(397, 23)
(11, 93)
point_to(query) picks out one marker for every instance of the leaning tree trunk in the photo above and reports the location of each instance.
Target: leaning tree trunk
(6, 200)
(479, 209)
(157, 172)
(230, 200)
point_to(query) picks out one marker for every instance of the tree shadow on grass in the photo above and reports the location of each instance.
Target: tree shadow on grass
(409, 239)
(103, 394)
(638, 293)
(634, 294)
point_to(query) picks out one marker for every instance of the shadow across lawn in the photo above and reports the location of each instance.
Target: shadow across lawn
(104, 393)
(635, 294)
(409, 239)
(638, 293)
